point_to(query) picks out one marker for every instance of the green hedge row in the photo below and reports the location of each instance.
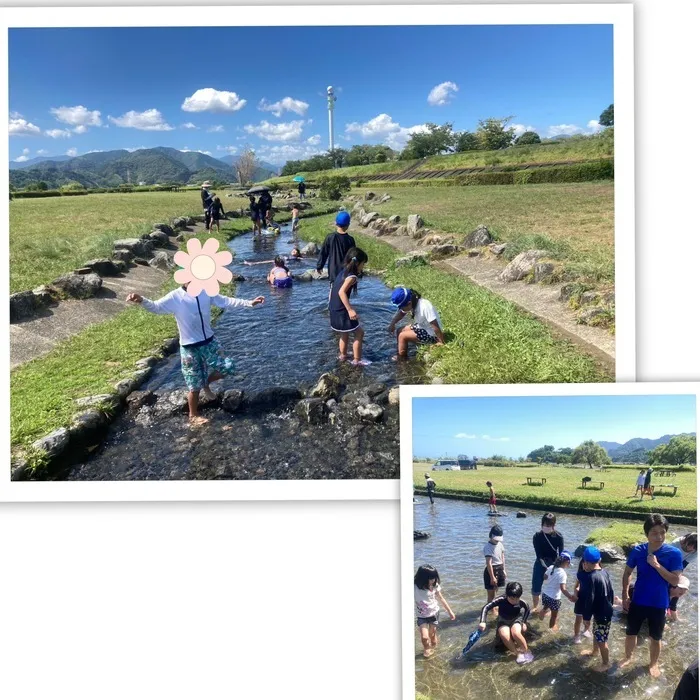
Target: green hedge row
(579, 172)
(46, 193)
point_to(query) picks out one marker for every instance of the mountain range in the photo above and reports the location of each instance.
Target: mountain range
(148, 165)
(635, 450)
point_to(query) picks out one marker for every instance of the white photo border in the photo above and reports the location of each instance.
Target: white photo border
(618, 15)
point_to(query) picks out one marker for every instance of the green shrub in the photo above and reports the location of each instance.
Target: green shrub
(501, 178)
(32, 194)
(333, 188)
(578, 172)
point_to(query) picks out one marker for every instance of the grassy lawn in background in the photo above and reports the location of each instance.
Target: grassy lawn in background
(563, 488)
(489, 339)
(575, 221)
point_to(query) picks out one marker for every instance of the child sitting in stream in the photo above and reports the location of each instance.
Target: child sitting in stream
(427, 595)
(425, 329)
(279, 275)
(344, 319)
(203, 361)
(553, 587)
(512, 617)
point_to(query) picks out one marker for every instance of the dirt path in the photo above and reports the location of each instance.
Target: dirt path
(542, 301)
(38, 336)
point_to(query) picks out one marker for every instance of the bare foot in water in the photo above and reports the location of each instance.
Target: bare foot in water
(428, 653)
(601, 668)
(625, 662)
(588, 652)
(654, 671)
(197, 421)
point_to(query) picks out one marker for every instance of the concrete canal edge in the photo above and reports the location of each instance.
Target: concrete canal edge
(572, 510)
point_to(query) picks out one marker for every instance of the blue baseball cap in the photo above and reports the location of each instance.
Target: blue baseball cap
(400, 296)
(342, 219)
(591, 555)
(565, 555)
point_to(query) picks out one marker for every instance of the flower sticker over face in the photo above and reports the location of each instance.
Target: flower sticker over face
(204, 267)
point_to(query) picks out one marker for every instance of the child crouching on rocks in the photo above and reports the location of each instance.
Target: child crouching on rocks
(425, 329)
(203, 361)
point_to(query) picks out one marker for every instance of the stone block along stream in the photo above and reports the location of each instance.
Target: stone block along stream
(266, 423)
(457, 533)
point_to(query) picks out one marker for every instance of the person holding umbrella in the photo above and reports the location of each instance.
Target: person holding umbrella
(302, 187)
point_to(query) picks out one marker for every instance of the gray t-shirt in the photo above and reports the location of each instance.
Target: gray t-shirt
(495, 551)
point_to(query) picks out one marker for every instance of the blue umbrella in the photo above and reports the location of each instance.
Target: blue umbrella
(474, 637)
(299, 178)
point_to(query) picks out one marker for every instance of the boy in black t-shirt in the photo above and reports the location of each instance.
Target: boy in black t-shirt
(335, 247)
(512, 616)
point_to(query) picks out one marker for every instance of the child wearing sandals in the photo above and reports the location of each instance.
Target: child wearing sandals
(427, 595)
(344, 318)
(553, 587)
(425, 329)
(512, 616)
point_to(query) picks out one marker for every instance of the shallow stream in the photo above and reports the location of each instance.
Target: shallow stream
(458, 531)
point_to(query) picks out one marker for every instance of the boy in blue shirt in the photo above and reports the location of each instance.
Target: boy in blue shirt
(658, 565)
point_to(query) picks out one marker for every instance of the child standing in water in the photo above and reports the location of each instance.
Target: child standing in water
(430, 485)
(295, 219)
(512, 616)
(427, 594)
(552, 588)
(203, 361)
(495, 571)
(583, 581)
(344, 318)
(492, 498)
(216, 213)
(336, 247)
(425, 329)
(279, 275)
(688, 545)
(255, 215)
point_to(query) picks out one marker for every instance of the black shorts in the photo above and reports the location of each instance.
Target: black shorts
(579, 607)
(498, 574)
(433, 620)
(509, 623)
(638, 613)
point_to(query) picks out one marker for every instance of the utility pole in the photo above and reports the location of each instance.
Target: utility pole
(331, 106)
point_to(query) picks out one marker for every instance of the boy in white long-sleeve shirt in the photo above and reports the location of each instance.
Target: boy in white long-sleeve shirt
(201, 356)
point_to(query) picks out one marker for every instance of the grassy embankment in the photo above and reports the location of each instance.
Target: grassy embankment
(563, 488)
(43, 391)
(489, 339)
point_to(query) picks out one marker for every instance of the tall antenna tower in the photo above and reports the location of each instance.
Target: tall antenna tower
(331, 106)
(128, 176)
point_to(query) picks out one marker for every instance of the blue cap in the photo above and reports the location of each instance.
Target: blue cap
(342, 219)
(565, 555)
(591, 555)
(400, 296)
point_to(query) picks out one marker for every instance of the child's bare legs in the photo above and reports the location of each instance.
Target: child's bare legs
(591, 652)
(193, 404)
(425, 640)
(504, 634)
(359, 335)
(517, 633)
(654, 651)
(404, 337)
(535, 602)
(604, 664)
(542, 613)
(553, 621)
(343, 346)
(490, 595)
(433, 636)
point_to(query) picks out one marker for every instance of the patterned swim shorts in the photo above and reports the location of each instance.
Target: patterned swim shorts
(551, 603)
(424, 338)
(601, 631)
(199, 362)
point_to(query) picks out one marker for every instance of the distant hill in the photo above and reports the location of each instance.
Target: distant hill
(264, 171)
(635, 450)
(14, 165)
(113, 168)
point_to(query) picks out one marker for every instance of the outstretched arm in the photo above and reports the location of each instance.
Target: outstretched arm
(225, 302)
(164, 305)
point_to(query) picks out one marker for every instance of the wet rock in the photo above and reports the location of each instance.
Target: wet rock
(480, 236)
(375, 389)
(22, 305)
(272, 399)
(231, 400)
(370, 412)
(138, 399)
(167, 230)
(394, 396)
(415, 257)
(179, 222)
(106, 400)
(124, 255)
(169, 346)
(522, 265)
(146, 362)
(520, 514)
(171, 404)
(327, 387)
(141, 375)
(158, 238)
(19, 469)
(138, 246)
(497, 248)
(129, 384)
(78, 286)
(382, 399)
(369, 196)
(54, 443)
(420, 535)
(367, 219)
(310, 249)
(414, 224)
(610, 554)
(446, 250)
(85, 425)
(306, 276)
(542, 271)
(163, 260)
(311, 410)
(104, 267)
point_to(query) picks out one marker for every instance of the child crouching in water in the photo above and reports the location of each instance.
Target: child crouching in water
(425, 329)
(203, 361)
(427, 594)
(512, 616)
(344, 318)
(495, 571)
(553, 587)
(279, 275)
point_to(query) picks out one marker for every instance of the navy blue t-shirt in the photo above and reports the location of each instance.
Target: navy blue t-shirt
(651, 589)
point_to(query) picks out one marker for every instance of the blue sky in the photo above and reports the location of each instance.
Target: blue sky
(216, 89)
(514, 426)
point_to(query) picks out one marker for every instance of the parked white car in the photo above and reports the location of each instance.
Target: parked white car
(446, 465)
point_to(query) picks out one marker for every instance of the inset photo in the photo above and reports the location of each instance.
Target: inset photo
(549, 541)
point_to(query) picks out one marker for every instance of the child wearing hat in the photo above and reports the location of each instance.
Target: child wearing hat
(336, 247)
(425, 329)
(552, 588)
(598, 604)
(430, 485)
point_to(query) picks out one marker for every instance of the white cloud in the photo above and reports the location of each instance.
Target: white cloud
(594, 125)
(399, 139)
(80, 129)
(15, 115)
(94, 150)
(288, 104)
(495, 439)
(440, 95)
(72, 152)
(280, 154)
(77, 116)
(42, 152)
(564, 130)
(384, 127)
(215, 129)
(21, 127)
(465, 436)
(210, 100)
(135, 148)
(194, 150)
(25, 151)
(21, 159)
(285, 131)
(228, 149)
(314, 140)
(189, 125)
(58, 133)
(150, 120)
(520, 129)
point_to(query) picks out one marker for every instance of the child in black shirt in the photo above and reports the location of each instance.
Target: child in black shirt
(512, 616)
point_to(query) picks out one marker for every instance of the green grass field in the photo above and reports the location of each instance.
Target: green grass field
(573, 220)
(563, 488)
